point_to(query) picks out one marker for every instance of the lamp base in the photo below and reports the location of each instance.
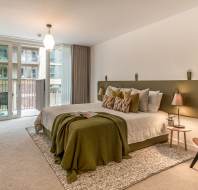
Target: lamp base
(179, 126)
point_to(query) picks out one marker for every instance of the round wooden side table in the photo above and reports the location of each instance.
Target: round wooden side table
(178, 130)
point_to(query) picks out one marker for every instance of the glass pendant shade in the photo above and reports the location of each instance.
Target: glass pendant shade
(48, 40)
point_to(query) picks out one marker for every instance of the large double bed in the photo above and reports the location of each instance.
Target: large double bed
(83, 144)
(143, 127)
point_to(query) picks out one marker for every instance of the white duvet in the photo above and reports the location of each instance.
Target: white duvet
(141, 126)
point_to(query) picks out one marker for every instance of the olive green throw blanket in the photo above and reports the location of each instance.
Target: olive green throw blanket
(80, 144)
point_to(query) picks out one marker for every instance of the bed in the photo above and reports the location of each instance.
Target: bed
(144, 129)
(84, 144)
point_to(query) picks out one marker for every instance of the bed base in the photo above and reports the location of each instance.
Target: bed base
(134, 146)
(149, 142)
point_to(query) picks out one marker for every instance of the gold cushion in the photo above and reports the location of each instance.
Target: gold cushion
(109, 90)
(135, 101)
(134, 107)
(116, 93)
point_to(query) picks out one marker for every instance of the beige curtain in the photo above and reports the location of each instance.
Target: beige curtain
(80, 74)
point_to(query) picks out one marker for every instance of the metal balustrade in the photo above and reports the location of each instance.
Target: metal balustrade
(3, 95)
(28, 95)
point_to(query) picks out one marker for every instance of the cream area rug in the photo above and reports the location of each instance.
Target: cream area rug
(114, 176)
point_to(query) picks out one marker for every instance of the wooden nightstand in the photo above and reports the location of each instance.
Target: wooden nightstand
(178, 130)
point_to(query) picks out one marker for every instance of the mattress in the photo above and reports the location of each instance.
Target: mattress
(141, 126)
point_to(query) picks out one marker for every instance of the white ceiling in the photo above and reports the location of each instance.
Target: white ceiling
(84, 21)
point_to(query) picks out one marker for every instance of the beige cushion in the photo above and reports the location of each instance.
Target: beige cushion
(125, 90)
(111, 89)
(143, 98)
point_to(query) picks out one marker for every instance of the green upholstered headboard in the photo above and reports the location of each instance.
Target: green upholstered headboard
(188, 89)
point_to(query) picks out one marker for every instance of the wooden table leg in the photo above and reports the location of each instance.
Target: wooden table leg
(178, 137)
(171, 138)
(185, 141)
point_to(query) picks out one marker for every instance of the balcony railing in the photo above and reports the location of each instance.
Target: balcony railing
(3, 96)
(28, 95)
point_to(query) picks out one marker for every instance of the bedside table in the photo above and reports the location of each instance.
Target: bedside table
(178, 130)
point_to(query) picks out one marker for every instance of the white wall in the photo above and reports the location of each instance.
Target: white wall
(161, 51)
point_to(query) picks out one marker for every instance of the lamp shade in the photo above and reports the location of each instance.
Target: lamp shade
(49, 42)
(177, 100)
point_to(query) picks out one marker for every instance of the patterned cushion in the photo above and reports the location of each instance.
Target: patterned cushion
(108, 102)
(118, 104)
(126, 104)
(122, 104)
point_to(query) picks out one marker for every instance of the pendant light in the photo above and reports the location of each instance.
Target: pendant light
(48, 40)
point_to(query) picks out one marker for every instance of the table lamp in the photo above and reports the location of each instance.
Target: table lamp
(178, 101)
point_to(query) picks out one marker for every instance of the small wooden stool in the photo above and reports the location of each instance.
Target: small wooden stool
(195, 140)
(178, 130)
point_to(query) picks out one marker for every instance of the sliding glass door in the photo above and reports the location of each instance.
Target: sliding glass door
(15, 86)
(29, 75)
(19, 68)
(9, 81)
(3, 81)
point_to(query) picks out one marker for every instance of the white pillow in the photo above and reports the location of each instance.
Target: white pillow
(154, 101)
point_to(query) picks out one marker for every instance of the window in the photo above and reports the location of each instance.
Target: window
(60, 75)
(22, 72)
(5, 72)
(28, 72)
(30, 56)
(3, 53)
(55, 71)
(29, 63)
(34, 73)
(14, 55)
